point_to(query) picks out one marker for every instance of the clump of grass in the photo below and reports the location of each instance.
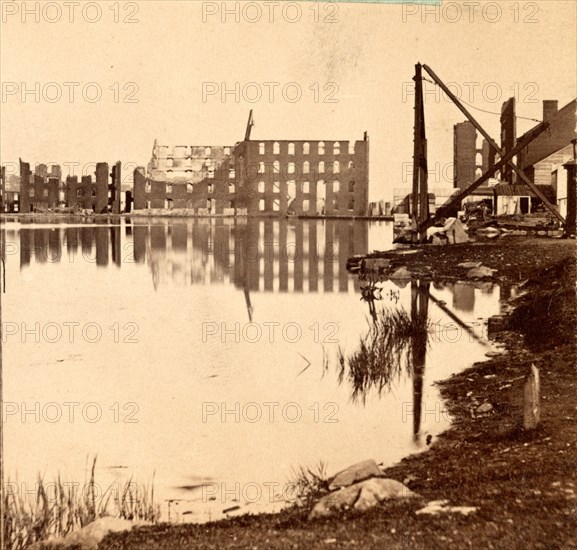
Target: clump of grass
(59, 508)
(384, 352)
(309, 483)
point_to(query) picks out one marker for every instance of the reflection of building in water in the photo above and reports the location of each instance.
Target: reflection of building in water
(463, 297)
(261, 255)
(97, 244)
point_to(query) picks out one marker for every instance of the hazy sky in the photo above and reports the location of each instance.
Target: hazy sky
(361, 56)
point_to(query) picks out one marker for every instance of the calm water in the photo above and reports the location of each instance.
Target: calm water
(182, 349)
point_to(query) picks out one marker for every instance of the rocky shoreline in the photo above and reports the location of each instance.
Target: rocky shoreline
(486, 482)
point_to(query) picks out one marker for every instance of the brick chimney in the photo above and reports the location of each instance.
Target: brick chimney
(550, 107)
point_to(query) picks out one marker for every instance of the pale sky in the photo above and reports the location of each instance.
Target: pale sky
(166, 55)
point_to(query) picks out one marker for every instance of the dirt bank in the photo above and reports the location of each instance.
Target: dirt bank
(524, 485)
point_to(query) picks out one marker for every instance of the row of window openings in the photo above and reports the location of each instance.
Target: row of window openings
(208, 152)
(306, 148)
(306, 186)
(189, 188)
(210, 167)
(210, 204)
(291, 167)
(306, 205)
(79, 193)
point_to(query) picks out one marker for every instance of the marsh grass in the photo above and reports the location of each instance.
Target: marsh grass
(58, 508)
(383, 353)
(309, 483)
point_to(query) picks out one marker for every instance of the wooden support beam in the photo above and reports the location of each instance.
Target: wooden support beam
(456, 200)
(420, 194)
(417, 142)
(494, 145)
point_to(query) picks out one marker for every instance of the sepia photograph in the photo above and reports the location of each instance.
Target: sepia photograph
(287, 274)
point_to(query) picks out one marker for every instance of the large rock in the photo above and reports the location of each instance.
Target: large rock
(90, 535)
(480, 272)
(353, 474)
(401, 274)
(360, 496)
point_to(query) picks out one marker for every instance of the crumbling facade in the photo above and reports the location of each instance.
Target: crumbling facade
(201, 179)
(42, 189)
(268, 178)
(303, 178)
(9, 197)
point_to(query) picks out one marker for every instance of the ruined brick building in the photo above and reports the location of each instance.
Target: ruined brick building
(304, 177)
(9, 192)
(41, 189)
(44, 189)
(275, 178)
(199, 178)
(542, 160)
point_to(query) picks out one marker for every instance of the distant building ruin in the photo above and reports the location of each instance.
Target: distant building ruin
(268, 178)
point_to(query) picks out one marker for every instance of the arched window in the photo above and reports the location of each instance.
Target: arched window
(261, 186)
(276, 148)
(321, 147)
(291, 148)
(336, 167)
(276, 167)
(306, 167)
(189, 187)
(321, 167)
(291, 167)
(351, 164)
(352, 186)
(351, 147)
(261, 167)
(306, 148)
(336, 148)
(261, 148)
(306, 187)
(336, 186)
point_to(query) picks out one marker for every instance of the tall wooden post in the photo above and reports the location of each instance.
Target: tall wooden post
(420, 195)
(571, 219)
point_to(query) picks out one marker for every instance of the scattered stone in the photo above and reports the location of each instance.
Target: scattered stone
(469, 265)
(532, 400)
(231, 509)
(409, 479)
(493, 353)
(90, 535)
(484, 408)
(497, 323)
(442, 506)
(401, 274)
(360, 497)
(480, 272)
(353, 474)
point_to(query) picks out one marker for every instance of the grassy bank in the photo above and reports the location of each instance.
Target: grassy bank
(524, 485)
